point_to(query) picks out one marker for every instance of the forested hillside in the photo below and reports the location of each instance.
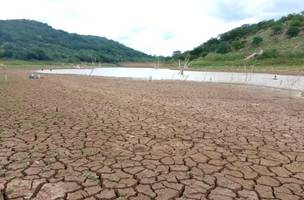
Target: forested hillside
(272, 42)
(32, 40)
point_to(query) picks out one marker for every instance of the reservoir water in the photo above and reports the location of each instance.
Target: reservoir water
(259, 79)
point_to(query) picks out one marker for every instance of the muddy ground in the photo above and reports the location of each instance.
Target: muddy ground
(74, 137)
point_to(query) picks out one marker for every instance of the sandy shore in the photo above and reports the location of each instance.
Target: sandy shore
(279, 70)
(74, 137)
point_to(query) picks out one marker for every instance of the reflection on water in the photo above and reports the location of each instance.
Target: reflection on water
(269, 80)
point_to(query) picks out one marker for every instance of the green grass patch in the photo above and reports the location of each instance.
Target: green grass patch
(21, 64)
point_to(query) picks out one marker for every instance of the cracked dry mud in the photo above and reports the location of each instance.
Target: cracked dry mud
(65, 137)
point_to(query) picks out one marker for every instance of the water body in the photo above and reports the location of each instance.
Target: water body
(258, 79)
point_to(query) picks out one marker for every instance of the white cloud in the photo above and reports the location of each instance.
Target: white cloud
(153, 26)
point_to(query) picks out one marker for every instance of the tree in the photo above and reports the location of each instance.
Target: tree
(224, 47)
(177, 54)
(293, 31)
(257, 40)
(205, 48)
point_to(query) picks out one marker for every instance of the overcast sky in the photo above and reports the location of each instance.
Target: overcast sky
(153, 26)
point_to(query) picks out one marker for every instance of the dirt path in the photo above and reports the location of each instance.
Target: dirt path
(65, 137)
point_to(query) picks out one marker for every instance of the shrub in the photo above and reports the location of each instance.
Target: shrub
(237, 45)
(293, 31)
(265, 24)
(203, 54)
(277, 29)
(257, 41)
(224, 48)
(296, 23)
(272, 53)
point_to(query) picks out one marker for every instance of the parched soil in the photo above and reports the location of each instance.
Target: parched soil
(74, 137)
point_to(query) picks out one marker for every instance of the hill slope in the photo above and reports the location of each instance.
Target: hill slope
(280, 42)
(32, 40)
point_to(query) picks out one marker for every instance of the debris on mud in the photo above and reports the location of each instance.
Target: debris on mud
(34, 76)
(91, 175)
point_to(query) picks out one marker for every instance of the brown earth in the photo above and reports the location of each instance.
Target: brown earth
(73, 137)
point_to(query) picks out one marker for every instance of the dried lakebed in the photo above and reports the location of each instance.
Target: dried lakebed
(67, 137)
(258, 79)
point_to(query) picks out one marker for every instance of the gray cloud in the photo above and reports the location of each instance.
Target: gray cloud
(138, 29)
(283, 7)
(229, 10)
(232, 10)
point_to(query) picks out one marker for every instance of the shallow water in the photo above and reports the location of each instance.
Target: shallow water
(268, 80)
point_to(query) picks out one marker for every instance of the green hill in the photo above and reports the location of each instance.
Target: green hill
(32, 40)
(276, 42)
